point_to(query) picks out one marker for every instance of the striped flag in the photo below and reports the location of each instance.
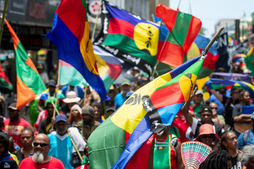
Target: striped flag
(29, 82)
(4, 81)
(183, 29)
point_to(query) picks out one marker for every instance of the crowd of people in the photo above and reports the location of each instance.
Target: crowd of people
(56, 134)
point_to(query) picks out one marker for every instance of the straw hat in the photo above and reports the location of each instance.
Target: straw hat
(71, 97)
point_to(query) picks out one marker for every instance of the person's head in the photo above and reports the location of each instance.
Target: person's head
(222, 90)
(27, 137)
(52, 85)
(49, 106)
(229, 140)
(40, 68)
(198, 98)
(234, 93)
(111, 92)
(41, 148)
(97, 110)
(13, 112)
(206, 114)
(88, 114)
(71, 99)
(4, 143)
(214, 108)
(109, 111)
(207, 135)
(244, 97)
(247, 156)
(61, 124)
(219, 159)
(75, 113)
(125, 86)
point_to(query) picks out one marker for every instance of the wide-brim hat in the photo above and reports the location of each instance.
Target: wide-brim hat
(207, 129)
(71, 97)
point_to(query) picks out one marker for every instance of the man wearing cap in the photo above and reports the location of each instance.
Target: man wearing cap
(205, 114)
(197, 102)
(89, 124)
(70, 100)
(120, 98)
(51, 92)
(14, 125)
(40, 158)
(60, 142)
(247, 137)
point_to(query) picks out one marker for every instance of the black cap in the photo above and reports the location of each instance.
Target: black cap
(52, 83)
(206, 108)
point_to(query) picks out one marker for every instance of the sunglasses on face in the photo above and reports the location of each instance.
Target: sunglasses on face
(41, 144)
(207, 136)
(214, 108)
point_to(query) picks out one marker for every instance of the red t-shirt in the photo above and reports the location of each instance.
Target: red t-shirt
(14, 129)
(52, 164)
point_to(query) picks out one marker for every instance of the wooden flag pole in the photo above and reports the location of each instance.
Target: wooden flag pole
(74, 145)
(2, 22)
(57, 86)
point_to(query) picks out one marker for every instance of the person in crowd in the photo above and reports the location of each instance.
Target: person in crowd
(70, 100)
(2, 105)
(167, 149)
(229, 143)
(219, 119)
(53, 74)
(207, 136)
(109, 112)
(217, 159)
(241, 120)
(247, 157)
(14, 125)
(11, 143)
(111, 95)
(27, 138)
(89, 124)
(120, 98)
(205, 118)
(52, 93)
(197, 102)
(91, 97)
(7, 160)
(247, 137)
(219, 98)
(98, 113)
(229, 106)
(60, 142)
(75, 115)
(43, 74)
(40, 158)
(78, 91)
(45, 126)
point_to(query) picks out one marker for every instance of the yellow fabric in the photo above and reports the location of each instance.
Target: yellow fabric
(15, 158)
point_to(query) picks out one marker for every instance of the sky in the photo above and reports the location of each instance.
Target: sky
(211, 11)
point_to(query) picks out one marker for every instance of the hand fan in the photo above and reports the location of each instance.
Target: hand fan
(194, 153)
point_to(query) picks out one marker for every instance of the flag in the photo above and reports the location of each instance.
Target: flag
(70, 76)
(249, 60)
(70, 34)
(29, 82)
(124, 132)
(212, 55)
(4, 81)
(183, 29)
(219, 83)
(109, 66)
(128, 37)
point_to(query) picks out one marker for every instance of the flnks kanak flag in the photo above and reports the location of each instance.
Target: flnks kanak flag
(127, 135)
(70, 34)
(29, 82)
(183, 29)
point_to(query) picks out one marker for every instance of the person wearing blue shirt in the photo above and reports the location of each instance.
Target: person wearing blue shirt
(247, 137)
(120, 98)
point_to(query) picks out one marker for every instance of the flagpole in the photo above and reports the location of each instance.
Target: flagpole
(57, 86)
(212, 41)
(2, 22)
(82, 129)
(94, 28)
(154, 68)
(74, 145)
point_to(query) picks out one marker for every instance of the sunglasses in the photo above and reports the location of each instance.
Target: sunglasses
(207, 136)
(41, 144)
(214, 108)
